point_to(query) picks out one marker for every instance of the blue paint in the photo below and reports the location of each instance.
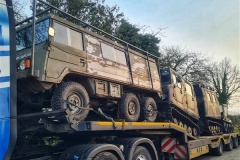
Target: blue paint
(4, 90)
(4, 79)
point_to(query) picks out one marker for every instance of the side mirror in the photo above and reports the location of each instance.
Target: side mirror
(179, 80)
(51, 31)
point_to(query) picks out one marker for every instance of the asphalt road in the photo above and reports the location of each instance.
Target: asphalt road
(227, 155)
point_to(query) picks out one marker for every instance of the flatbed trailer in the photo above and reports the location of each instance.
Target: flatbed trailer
(162, 140)
(88, 140)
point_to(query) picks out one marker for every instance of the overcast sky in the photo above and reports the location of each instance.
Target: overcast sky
(209, 26)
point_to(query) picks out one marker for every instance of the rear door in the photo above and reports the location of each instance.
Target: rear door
(191, 99)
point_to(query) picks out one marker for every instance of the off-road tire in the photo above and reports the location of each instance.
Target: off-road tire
(218, 150)
(123, 108)
(235, 142)
(141, 151)
(145, 115)
(105, 156)
(62, 93)
(229, 146)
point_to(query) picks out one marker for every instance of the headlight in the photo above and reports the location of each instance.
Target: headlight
(22, 65)
(164, 96)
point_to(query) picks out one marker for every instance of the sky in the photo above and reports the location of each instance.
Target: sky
(208, 26)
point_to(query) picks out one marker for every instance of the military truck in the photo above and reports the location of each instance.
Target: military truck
(179, 103)
(213, 115)
(193, 107)
(85, 69)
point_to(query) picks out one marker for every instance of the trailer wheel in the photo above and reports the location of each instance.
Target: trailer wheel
(74, 93)
(229, 146)
(218, 150)
(148, 109)
(141, 153)
(235, 142)
(129, 108)
(105, 156)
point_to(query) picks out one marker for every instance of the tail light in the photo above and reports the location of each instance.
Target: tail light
(27, 63)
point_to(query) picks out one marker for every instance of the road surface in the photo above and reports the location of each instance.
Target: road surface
(227, 155)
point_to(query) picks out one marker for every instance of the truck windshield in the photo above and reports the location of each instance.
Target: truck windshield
(165, 76)
(24, 36)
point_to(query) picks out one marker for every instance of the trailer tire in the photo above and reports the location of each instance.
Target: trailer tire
(74, 93)
(105, 156)
(229, 146)
(141, 152)
(148, 109)
(235, 142)
(129, 108)
(218, 150)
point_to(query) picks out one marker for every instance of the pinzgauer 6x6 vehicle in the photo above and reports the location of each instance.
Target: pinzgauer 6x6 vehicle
(88, 70)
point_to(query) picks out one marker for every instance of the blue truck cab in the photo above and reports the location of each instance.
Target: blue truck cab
(8, 123)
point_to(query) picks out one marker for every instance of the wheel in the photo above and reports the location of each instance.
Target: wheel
(189, 130)
(141, 153)
(175, 120)
(148, 109)
(218, 150)
(105, 156)
(229, 146)
(129, 108)
(235, 142)
(185, 127)
(194, 132)
(180, 123)
(74, 93)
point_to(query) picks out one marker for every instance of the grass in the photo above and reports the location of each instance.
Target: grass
(236, 129)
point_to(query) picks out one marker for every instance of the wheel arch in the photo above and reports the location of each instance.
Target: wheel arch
(131, 143)
(88, 151)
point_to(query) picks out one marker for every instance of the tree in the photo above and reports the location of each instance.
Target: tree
(18, 7)
(191, 65)
(93, 12)
(131, 34)
(225, 79)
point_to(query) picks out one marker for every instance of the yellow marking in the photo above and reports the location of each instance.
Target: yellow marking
(160, 124)
(110, 123)
(195, 152)
(150, 124)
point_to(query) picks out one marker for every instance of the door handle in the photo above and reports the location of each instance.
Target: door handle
(82, 61)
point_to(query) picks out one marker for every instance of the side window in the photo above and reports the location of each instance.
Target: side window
(208, 97)
(174, 79)
(108, 52)
(60, 34)
(113, 54)
(67, 36)
(189, 89)
(214, 98)
(120, 57)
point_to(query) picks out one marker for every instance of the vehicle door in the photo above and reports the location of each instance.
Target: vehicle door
(191, 99)
(208, 103)
(216, 109)
(177, 90)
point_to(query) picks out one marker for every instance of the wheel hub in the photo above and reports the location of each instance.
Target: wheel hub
(150, 110)
(141, 157)
(131, 108)
(75, 99)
